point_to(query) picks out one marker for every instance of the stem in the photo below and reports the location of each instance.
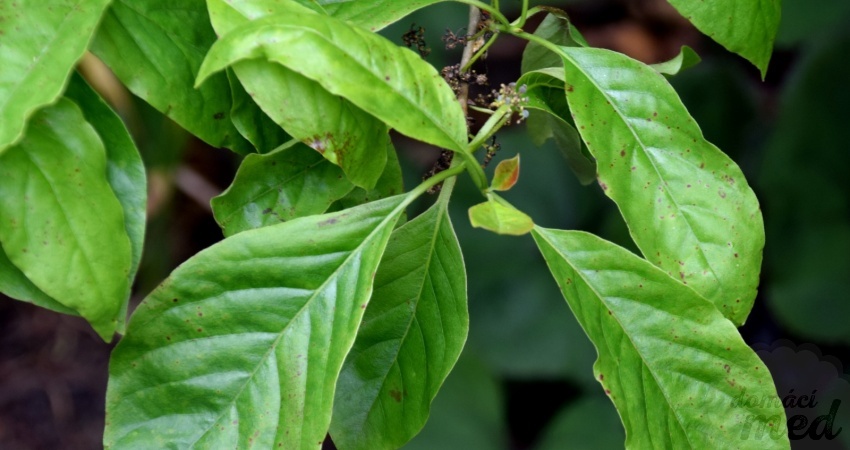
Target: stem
(524, 14)
(533, 38)
(454, 170)
(480, 52)
(493, 11)
(519, 23)
(499, 118)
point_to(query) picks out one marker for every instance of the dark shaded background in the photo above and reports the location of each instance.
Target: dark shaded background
(524, 380)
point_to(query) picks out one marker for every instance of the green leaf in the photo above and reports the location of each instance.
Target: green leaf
(277, 187)
(411, 336)
(62, 225)
(500, 218)
(125, 170)
(746, 27)
(506, 175)
(373, 14)
(677, 370)
(391, 83)
(254, 125)
(243, 343)
(41, 42)
(14, 284)
(545, 93)
(557, 29)
(156, 47)
(686, 59)
(688, 206)
(345, 134)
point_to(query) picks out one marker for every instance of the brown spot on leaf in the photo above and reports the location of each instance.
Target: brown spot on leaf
(218, 116)
(396, 395)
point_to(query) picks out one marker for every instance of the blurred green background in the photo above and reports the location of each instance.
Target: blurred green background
(524, 380)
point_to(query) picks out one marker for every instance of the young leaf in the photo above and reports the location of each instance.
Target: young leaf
(507, 174)
(677, 370)
(500, 218)
(686, 59)
(746, 27)
(254, 125)
(41, 42)
(389, 82)
(242, 345)
(277, 187)
(557, 29)
(125, 170)
(688, 206)
(343, 133)
(14, 284)
(155, 47)
(411, 336)
(62, 225)
(545, 93)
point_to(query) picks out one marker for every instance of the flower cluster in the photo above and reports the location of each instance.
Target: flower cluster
(512, 96)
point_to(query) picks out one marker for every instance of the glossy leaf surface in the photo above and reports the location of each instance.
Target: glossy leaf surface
(277, 187)
(391, 83)
(688, 206)
(243, 343)
(40, 43)
(390, 183)
(411, 336)
(746, 27)
(156, 47)
(677, 370)
(62, 225)
(373, 14)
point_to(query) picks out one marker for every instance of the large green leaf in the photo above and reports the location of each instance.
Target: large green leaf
(389, 82)
(61, 223)
(345, 134)
(746, 27)
(40, 43)
(411, 336)
(677, 370)
(156, 47)
(243, 343)
(277, 187)
(544, 90)
(688, 206)
(125, 170)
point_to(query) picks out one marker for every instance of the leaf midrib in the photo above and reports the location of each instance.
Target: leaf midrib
(581, 275)
(309, 301)
(720, 286)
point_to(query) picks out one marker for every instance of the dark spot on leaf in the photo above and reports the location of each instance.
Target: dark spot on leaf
(736, 255)
(702, 165)
(200, 330)
(175, 300)
(267, 211)
(727, 368)
(396, 395)
(570, 88)
(601, 377)
(330, 221)
(622, 153)
(218, 116)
